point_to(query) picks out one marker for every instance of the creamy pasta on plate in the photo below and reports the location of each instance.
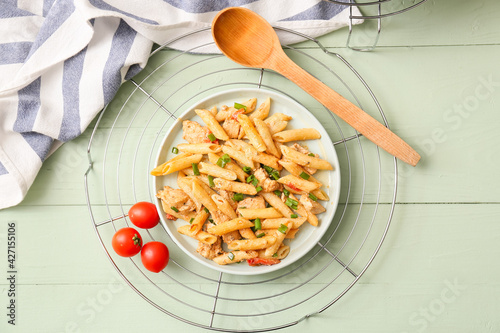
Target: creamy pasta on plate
(245, 185)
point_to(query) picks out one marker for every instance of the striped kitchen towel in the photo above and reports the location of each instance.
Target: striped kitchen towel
(61, 61)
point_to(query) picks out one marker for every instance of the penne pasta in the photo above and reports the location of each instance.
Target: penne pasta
(252, 244)
(268, 160)
(282, 252)
(298, 134)
(184, 184)
(240, 174)
(202, 236)
(214, 126)
(201, 196)
(305, 160)
(198, 222)
(262, 112)
(235, 257)
(274, 223)
(296, 170)
(238, 156)
(237, 187)
(247, 233)
(224, 206)
(251, 133)
(265, 134)
(280, 235)
(228, 226)
(199, 148)
(261, 213)
(271, 232)
(176, 164)
(276, 202)
(298, 182)
(216, 171)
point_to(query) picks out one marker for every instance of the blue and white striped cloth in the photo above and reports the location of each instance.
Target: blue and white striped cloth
(61, 61)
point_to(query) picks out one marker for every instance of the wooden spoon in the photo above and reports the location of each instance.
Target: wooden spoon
(248, 39)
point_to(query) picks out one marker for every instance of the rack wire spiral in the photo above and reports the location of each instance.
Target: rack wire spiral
(121, 153)
(374, 10)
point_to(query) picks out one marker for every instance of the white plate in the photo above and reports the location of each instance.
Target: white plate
(308, 235)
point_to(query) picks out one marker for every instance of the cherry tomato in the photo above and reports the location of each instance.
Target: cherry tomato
(144, 215)
(263, 261)
(154, 256)
(127, 242)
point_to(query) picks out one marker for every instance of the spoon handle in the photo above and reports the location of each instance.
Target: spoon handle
(350, 113)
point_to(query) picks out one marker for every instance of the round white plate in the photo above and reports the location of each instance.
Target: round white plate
(308, 235)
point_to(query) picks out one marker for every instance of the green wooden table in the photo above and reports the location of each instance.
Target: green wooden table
(435, 73)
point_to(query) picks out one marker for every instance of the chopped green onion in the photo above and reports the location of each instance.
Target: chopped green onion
(268, 169)
(283, 228)
(286, 192)
(225, 159)
(311, 154)
(255, 182)
(211, 220)
(260, 235)
(304, 175)
(250, 178)
(211, 137)
(291, 203)
(275, 175)
(238, 106)
(275, 255)
(242, 207)
(231, 256)
(313, 197)
(247, 169)
(196, 171)
(258, 188)
(175, 150)
(211, 181)
(238, 197)
(191, 221)
(174, 209)
(257, 224)
(277, 193)
(206, 210)
(221, 163)
(294, 216)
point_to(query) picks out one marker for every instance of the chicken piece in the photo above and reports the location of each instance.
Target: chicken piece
(312, 206)
(228, 195)
(252, 203)
(232, 128)
(304, 150)
(194, 132)
(176, 198)
(267, 184)
(210, 251)
(231, 236)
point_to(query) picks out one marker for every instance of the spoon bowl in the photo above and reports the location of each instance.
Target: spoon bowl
(249, 40)
(245, 37)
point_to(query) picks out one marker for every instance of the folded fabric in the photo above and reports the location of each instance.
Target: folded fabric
(62, 61)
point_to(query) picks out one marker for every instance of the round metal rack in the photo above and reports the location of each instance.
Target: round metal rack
(374, 10)
(121, 153)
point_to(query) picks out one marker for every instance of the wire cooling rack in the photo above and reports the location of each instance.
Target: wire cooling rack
(374, 10)
(122, 151)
